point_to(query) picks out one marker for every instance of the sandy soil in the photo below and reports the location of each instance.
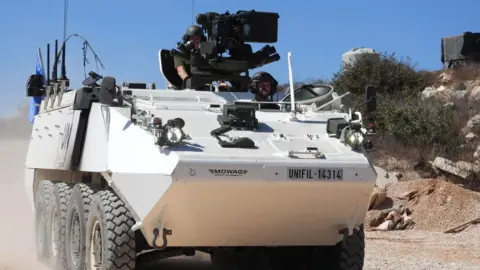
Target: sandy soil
(17, 246)
(385, 250)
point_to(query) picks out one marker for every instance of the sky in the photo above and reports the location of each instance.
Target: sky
(126, 35)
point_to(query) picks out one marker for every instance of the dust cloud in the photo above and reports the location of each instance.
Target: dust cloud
(17, 242)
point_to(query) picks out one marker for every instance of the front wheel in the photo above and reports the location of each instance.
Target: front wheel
(57, 221)
(110, 239)
(348, 254)
(43, 204)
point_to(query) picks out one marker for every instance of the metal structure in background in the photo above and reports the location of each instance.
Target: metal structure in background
(351, 57)
(460, 49)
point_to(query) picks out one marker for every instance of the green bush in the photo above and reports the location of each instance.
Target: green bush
(387, 73)
(431, 128)
(403, 121)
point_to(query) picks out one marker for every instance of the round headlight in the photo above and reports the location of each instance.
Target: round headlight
(173, 135)
(355, 139)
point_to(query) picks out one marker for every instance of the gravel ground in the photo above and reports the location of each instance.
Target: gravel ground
(418, 250)
(438, 206)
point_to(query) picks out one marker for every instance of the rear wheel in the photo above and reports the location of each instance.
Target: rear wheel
(77, 212)
(110, 239)
(43, 204)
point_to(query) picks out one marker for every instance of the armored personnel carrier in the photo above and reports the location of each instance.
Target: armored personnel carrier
(121, 175)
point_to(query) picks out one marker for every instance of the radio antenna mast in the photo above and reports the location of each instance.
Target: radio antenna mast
(65, 16)
(193, 11)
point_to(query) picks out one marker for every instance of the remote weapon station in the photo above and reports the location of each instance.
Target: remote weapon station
(122, 175)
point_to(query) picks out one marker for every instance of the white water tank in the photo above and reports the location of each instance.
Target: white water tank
(351, 56)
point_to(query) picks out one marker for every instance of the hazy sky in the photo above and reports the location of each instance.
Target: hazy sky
(128, 34)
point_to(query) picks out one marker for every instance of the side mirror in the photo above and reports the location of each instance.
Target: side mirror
(35, 86)
(371, 98)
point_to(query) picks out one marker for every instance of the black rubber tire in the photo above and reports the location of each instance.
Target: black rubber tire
(80, 199)
(114, 222)
(61, 195)
(348, 254)
(43, 203)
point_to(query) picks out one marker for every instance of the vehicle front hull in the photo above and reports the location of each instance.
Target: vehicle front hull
(228, 212)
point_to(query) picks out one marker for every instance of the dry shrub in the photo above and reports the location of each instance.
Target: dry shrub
(466, 72)
(416, 130)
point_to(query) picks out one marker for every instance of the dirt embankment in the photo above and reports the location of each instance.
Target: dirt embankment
(435, 205)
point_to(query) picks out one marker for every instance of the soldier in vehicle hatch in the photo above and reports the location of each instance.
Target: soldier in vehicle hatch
(194, 33)
(264, 86)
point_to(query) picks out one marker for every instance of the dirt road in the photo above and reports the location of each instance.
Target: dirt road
(17, 247)
(387, 250)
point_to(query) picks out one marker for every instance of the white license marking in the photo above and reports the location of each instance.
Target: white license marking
(315, 173)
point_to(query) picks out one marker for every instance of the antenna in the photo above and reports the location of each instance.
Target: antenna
(55, 63)
(63, 75)
(63, 72)
(48, 63)
(65, 15)
(193, 11)
(290, 78)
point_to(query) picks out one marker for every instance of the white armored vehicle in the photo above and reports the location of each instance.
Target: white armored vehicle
(123, 175)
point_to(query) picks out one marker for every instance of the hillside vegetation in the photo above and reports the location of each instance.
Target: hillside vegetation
(420, 114)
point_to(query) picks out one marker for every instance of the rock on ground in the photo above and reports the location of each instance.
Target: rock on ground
(438, 206)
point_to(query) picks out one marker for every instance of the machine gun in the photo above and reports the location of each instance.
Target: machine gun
(228, 33)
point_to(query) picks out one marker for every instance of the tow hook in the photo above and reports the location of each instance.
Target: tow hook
(156, 232)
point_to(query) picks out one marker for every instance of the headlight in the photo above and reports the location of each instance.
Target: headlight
(354, 138)
(173, 135)
(170, 134)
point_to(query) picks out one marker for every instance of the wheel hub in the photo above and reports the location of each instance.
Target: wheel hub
(55, 240)
(95, 251)
(75, 235)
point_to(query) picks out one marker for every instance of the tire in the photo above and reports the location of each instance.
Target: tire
(77, 212)
(109, 232)
(56, 225)
(43, 204)
(348, 254)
